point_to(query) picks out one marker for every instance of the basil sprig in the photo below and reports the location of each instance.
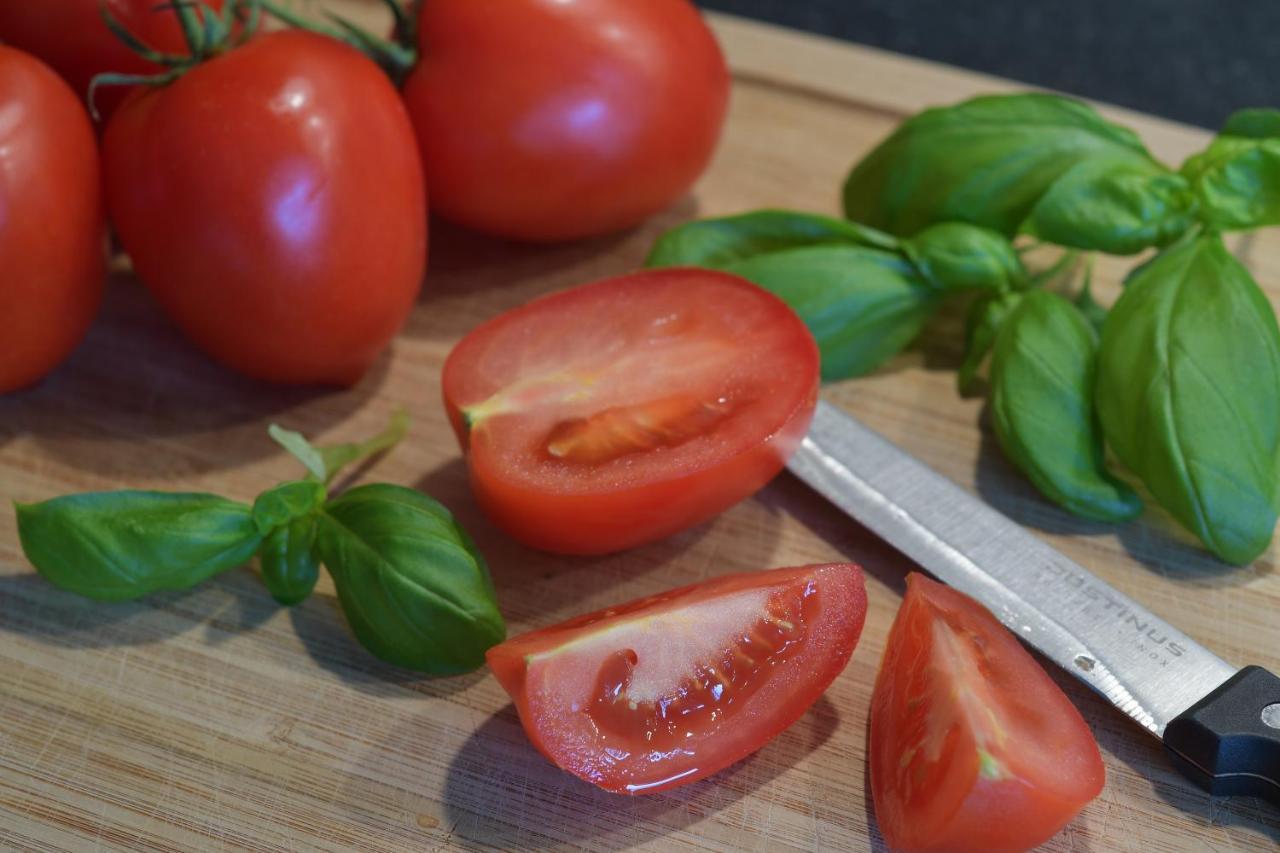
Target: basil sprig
(1034, 164)
(1184, 385)
(864, 294)
(412, 583)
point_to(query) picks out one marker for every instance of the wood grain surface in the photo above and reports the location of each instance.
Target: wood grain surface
(214, 719)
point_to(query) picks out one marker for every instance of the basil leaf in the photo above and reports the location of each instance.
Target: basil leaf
(981, 327)
(415, 589)
(959, 256)
(1237, 178)
(290, 566)
(862, 305)
(719, 242)
(115, 546)
(1253, 123)
(1042, 379)
(324, 463)
(988, 161)
(1114, 204)
(278, 506)
(1187, 390)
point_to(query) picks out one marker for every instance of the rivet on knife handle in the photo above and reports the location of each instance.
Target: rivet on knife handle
(1229, 742)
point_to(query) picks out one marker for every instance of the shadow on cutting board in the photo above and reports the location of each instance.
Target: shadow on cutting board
(501, 792)
(465, 263)
(1155, 540)
(231, 603)
(135, 385)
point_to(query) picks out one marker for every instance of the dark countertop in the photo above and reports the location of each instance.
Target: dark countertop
(1190, 60)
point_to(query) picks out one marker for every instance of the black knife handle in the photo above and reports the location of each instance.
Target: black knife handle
(1229, 742)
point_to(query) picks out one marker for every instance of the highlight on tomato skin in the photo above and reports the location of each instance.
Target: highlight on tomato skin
(972, 745)
(665, 690)
(625, 410)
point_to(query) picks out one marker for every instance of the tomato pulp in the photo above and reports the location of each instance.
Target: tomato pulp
(973, 747)
(52, 226)
(557, 119)
(668, 689)
(71, 37)
(272, 200)
(623, 411)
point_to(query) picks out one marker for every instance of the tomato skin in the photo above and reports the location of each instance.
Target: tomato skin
(71, 37)
(932, 789)
(52, 225)
(272, 201)
(544, 672)
(551, 120)
(601, 508)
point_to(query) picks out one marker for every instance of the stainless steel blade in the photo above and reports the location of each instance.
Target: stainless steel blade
(1142, 664)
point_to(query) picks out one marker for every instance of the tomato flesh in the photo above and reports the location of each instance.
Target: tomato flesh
(973, 746)
(622, 411)
(52, 223)
(668, 689)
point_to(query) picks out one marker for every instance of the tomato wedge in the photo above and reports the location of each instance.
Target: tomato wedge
(665, 690)
(619, 412)
(973, 747)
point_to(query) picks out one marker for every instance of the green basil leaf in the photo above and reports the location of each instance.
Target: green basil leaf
(290, 565)
(1188, 372)
(1253, 123)
(1114, 204)
(324, 463)
(415, 589)
(959, 256)
(287, 501)
(987, 161)
(986, 316)
(1237, 178)
(115, 546)
(1042, 379)
(862, 305)
(716, 243)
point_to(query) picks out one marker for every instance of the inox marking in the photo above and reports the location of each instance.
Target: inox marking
(1140, 663)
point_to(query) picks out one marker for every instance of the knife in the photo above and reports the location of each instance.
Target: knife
(1220, 725)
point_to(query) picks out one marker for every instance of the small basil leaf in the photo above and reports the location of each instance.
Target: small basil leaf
(290, 566)
(862, 305)
(415, 589)
(719, 242)
(987, 161)
(1237, 178)
(1042, 378)
(1188, 372)
(959, 256)
(115, 546)
(981, 327)
(287, 501)
(1253, 123)
(324, 463)
(1113, 204)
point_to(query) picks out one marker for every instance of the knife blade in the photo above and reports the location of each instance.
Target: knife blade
(1221, 724)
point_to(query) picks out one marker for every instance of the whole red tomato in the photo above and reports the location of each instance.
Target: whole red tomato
(272, 199)
(71, 36)
(557, 119)
(51, 220)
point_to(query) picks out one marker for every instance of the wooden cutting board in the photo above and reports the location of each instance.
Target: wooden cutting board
(214, 719)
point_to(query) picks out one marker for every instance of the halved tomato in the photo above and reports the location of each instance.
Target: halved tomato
(973, 747)
(665, 690)
(623, 411)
